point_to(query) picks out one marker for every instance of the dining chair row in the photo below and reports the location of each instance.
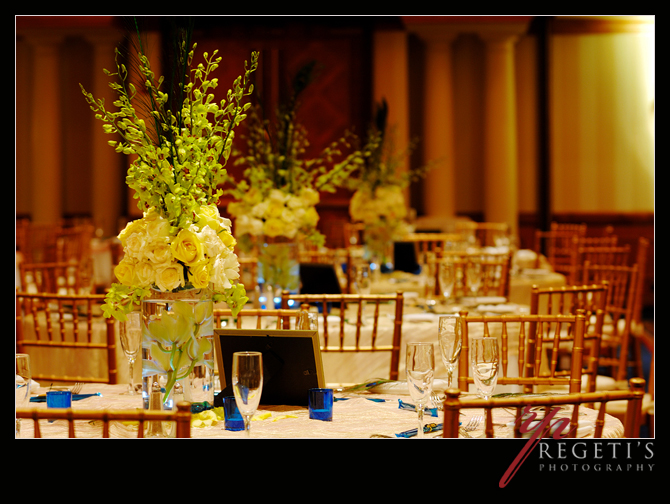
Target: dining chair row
(455, 403)
(76, 419)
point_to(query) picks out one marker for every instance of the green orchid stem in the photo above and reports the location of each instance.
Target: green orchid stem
(172, 374)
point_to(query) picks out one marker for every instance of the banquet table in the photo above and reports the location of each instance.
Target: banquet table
(419, 324)
(360, 415)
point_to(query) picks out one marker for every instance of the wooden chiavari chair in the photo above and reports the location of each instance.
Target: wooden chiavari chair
(66, 323)
(280, 318)
(181, 417)
(618, 348)
(56, 278)
(453, 404)
(570, 300)
(537, 341)
(495, 272)
(363, 330)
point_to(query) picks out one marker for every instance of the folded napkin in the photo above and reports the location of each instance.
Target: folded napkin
(499, 308)
(584, 428)
(75, 397)
(408, 406)
(426, 429)
(400, 387)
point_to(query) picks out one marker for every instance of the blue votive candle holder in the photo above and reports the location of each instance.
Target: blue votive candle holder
(321, 404)
(59, 399)
(232, 418)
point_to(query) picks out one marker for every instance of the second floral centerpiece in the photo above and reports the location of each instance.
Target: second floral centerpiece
(274, 202)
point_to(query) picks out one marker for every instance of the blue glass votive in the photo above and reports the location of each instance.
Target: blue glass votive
(59, 399)
(232, 418)
(321, 404)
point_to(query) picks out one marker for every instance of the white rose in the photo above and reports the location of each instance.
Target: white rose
(211, 242)
(225, 269)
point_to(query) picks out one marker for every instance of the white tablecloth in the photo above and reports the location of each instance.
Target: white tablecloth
(354, 416)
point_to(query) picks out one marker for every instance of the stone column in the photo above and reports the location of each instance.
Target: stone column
(108, 175)
(500, 138)
(45, 130)
(438, 126)
(391, 82)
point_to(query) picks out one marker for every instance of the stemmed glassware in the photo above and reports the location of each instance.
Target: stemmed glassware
(22, 386)
(484, 361)
(247, 378)
(131, 337)
(447, 277)
(450, 337)
(473, 274)
(420, 369)
(362, 278)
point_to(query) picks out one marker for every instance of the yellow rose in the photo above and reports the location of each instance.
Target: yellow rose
(208, 215)
(170, 277)
(144, 273)
(274, 227)
(136, 226)
(125, 272)
(228, 240)
(187, 248)
(311, 217)
(198, 274)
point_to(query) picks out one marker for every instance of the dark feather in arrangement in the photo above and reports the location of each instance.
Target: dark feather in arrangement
(174, 61)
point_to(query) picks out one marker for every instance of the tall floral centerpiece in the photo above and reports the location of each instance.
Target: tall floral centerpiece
(378, 202)
(274, 203)
(179, 257)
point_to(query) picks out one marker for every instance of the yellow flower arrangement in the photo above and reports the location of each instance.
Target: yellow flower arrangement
(180, 149)
(279, 191)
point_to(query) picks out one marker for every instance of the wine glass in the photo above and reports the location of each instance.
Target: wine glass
(131, 337)
(450, 337)
(22, 383)
(247, 377)
(420, 369)
(473, 273)
(447, 277)
(484, 360)
(362, 278)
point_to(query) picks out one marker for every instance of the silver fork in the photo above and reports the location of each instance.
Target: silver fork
(437, 400)
(76, 388)
(473, 423)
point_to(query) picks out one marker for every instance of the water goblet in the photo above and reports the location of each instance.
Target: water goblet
(362, 278)
(450, 337)
(247, 378)
(484, 362)
(446, 277)
(131, 337)
(22, 383)
(473, 274)
(420, 369)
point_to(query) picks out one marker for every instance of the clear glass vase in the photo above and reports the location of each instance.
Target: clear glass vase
(279, 267)
(177, 350)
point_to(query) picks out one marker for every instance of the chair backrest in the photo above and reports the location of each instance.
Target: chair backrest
(56, 278)
(181, 417)
(534, 342)
(569, 300)
(68, 323)
(362, 337)
(619, 313)
(279, 318)
(612, 255)
(495, 272)
(453, 404)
